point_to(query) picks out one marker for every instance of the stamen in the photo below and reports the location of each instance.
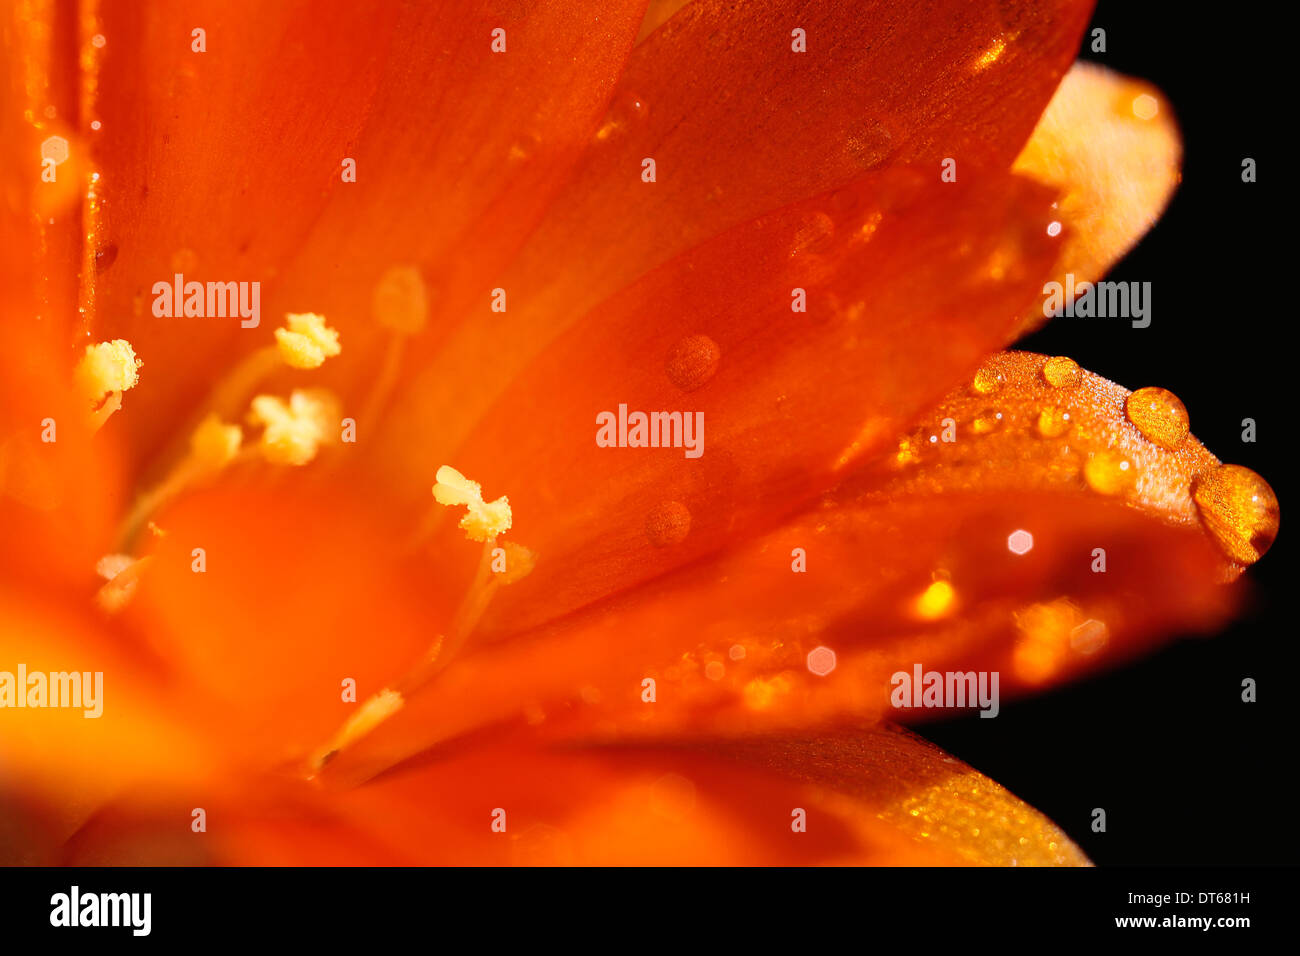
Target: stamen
(483, 521)
(213, 445)
(105, 371)
(294, 431)
(123, 573)
(306, 341)
(366, 718)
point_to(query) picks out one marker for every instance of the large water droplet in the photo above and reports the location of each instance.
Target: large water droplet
(1239, 509)
(692, 362)
(668, 523)
(1109, 473)
(1159, 416)
(1061, 372)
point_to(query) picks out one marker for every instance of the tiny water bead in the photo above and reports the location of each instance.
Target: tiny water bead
(988, 420)
(627, 110)
(1053, 422)
(668, 523)
(1109, 473)
(1239, 509)
(1061, 372)
(986, 381)
(1159, 416)
(693, 362)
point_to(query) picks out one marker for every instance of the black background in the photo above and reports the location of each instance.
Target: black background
(1186, 771)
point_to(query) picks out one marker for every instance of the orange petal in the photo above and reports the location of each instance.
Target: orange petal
(934, 513)
(908, 281)
(739, 124)
(268, 600)
(227, 164)
(875, 796)
(1109, 143)
(104, 721)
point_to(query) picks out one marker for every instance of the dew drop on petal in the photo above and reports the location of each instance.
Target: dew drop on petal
(1061, 372)
(692, 362)
(1109, 473)
(870, 145)
(1239, 509)
(1159, 416)
(986, 382)
(988, 420)
(814, 234)
(1053, 422)
(668, 523)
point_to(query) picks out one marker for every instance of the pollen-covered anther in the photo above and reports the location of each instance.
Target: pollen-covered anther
(295, 430)
(306, 341)
(483, 519)
(105, 371)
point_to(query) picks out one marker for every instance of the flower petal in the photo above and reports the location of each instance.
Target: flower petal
(739, 124)
(908, 282)
(1003, 551)
(875, 796)
(227, 164)
(1110, 145)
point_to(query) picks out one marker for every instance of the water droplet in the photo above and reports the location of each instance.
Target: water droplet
(98, 40)
(737, 652)
(400, 300)
(1239, 509)
(1109, 472)
(105, 257)
(1053, 422)
(1159, 416)
(988, 420)
(814, 234)
(1061, 372)
(626, 111)
(95, 124)
(692, 362)
(668, 523)
(1054, 228)
(986, 381)
(870, 145)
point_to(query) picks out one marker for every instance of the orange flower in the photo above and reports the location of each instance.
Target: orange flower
(492, 234)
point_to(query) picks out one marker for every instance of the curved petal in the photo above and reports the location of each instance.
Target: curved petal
(738, 124)
(908, 281)
(875, 796)
(910, 561)
(1110, 145)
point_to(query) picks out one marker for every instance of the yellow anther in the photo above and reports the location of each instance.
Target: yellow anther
(306, 341)
(213, 445)
(484, 519)
(106, 368)
(295, 430)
